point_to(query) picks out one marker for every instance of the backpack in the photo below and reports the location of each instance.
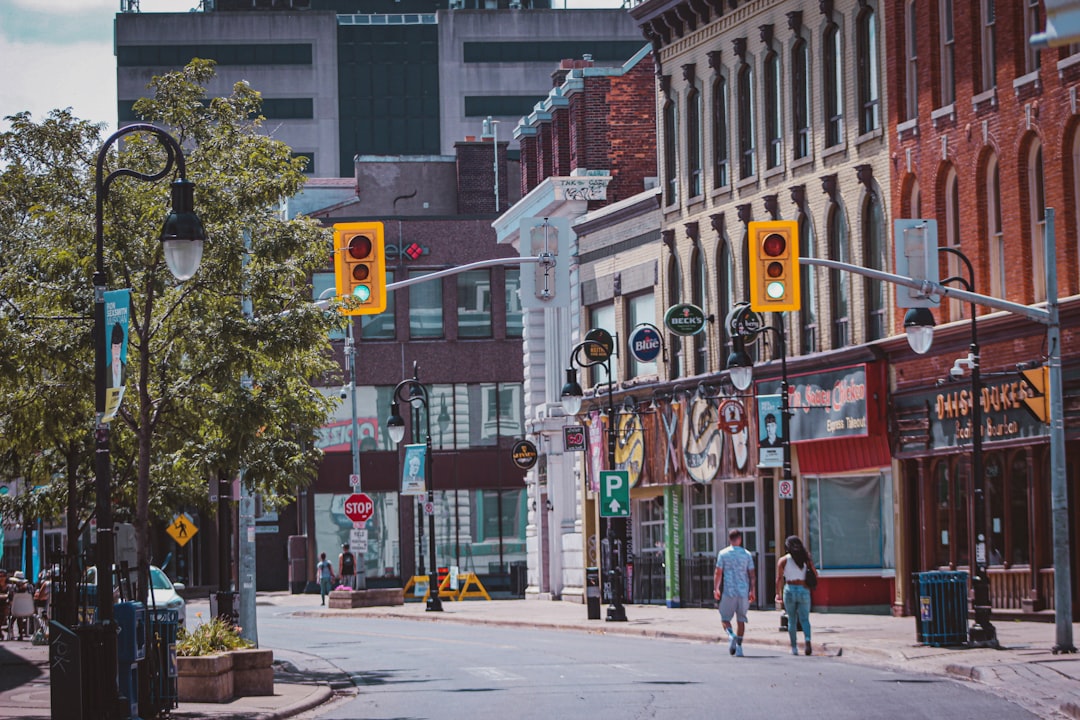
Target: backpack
(348, 564)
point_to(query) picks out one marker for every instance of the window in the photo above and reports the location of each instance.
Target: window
(674, 297)
(721, 160)
(996, 237)
(1007, 509)
(988, 46)
(515, 325)
(950, 235)
(474, 303)
(808, 315)
(381, 326)
(702, 530)
(869, 100)
(694, 141)
(911, 61)
(494, 411)
(725, 290)
(493, 536)
(641, 309)
(1032, 25)
(874, 242)
(800, 97)
(603, 316)
(1037, 195)
(671, 153)
(834, 86)
(949, 514)
(740, 508)
(651, 525)
(849, 524)
(773, 139)
(425, 307)
(746, 123)
(321, 283)
(840, 250)
(947, 40)
(698, 296)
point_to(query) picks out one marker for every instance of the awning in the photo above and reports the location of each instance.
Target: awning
(832, 457)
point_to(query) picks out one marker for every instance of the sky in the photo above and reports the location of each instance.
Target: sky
(59, 53)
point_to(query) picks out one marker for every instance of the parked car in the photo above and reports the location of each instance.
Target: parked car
(164, 593)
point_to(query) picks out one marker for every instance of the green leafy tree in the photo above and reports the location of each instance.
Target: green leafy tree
(210, 390)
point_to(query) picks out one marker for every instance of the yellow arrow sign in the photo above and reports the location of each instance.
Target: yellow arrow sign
(1034, 394)
(182, 529)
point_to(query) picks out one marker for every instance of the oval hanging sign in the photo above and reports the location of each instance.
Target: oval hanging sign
(685, 319)
(645, 343)
(524, 454)
(598, 346)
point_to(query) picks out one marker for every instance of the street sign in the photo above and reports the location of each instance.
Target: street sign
(358, 538)
(785, 489)
(359, 507)
(354, 481)
(574, 438)
(429, 508)
(182, 529)
(614, 493)
(1036, 398)
(732, 416)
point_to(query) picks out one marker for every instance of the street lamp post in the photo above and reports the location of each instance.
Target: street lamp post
(182, 238)
(983, 633)
(745, 324)
(599, 353)
(417, 397)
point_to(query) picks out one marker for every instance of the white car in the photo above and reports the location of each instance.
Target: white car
(163, 592)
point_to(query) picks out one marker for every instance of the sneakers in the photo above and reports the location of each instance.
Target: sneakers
(809, 648)
(794, 650)
(738, 651)
(733, 644)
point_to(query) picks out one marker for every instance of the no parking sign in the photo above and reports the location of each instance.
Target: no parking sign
(786, 489)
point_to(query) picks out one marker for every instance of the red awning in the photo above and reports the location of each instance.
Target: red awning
(830, 457)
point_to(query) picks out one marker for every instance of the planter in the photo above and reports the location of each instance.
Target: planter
(346, 599)
(222, 677)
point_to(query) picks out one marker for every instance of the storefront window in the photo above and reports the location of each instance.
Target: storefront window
(651, 519)
(1019, 541)
(941, 514)
(741, 512)
(496, 521)
(846, 525)
(474, 304)
(702, 533)
(995, 500)
(383, 557)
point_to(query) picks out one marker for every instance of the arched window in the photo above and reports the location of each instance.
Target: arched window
(674, 297)
(867, 52)
(808, 312)
(725, 293)
(800, 98)
(915, 209)
(746, 123)
(840, 299)
(949, 235)
(833, 81)
(721, 141)
(911, 60)
(995, 237)
(1074, 172)
(694, 141)
(874, 245)
(671, 154)
(699, 297)
(773, 139)
(1037, 213)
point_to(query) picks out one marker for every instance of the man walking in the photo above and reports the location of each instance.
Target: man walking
(347, 567)
(733, 586)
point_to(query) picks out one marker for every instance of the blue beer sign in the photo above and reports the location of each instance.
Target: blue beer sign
(644, 343)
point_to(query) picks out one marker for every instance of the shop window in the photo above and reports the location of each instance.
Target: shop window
(846, 521)
(702, 532)
(651, 525)
(1019, 492)
(641, 309)
(740, 508)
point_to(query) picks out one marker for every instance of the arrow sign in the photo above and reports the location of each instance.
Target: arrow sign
(1034, 392)
(614, 493)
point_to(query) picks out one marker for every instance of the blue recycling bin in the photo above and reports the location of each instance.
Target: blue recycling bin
(130, 650)
(942, 618)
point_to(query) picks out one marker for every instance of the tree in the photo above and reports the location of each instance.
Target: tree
(186, 417)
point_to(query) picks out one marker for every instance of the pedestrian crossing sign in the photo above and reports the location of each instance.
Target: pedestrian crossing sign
(182, 529)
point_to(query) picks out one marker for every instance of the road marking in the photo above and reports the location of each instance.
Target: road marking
(494, 673)
(394, 636)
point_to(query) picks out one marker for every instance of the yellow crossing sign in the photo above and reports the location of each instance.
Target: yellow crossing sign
(182, 529)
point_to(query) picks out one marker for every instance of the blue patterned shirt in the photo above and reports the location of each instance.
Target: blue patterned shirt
(736, 562)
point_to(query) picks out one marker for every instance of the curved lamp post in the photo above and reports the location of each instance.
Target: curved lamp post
(182, 237)
(571, 401)
(919, 326)
(416, 395)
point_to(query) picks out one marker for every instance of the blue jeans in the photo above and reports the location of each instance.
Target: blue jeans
(797, 605)
(324, 588)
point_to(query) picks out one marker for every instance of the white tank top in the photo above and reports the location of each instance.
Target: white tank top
(792, 571)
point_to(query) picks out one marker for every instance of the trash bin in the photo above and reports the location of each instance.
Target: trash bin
(592, 592)
(130, 650)
(943, 608)
(163, 626)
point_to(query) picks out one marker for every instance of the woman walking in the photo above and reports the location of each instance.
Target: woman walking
(792, 594)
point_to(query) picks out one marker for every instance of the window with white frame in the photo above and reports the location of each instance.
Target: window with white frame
(988, 45)
(721, 141)
(1032, 25)
(867, 52)
(641, 309)
(808, 312)
(800, 97)
(996, 237)
(474, 303)
(702, 528)
(747, 149)
(651, 526)
(603, 317)
(773, 138)
(850, 524)
(695, 144)
(947, 44)
(911, 60)
(671, 153)
(515, 324)
(1037, 195)
(833, 78)
(840, 250)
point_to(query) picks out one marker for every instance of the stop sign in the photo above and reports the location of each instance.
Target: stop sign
(359, 507)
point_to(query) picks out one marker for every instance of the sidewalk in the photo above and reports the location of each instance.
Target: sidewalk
(1025, 672)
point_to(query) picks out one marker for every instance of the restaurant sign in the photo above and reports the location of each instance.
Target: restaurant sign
(825, 405)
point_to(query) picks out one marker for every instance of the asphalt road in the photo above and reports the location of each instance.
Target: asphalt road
(409, 670)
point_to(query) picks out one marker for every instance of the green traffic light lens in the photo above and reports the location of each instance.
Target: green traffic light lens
(775, 290)
(362, 293)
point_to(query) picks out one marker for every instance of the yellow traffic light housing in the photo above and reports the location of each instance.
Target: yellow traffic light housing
(360, 267)
(774, 266)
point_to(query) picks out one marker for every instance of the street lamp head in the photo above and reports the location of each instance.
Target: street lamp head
(740, 366)
(416, 395)
(395, 426)
(919, 326)
(571, 393)
(182, 235)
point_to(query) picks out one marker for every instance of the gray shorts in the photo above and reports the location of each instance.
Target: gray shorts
(732, 605)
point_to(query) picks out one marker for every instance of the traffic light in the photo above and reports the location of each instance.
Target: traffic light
(1062, 24)
(360, 267)
(774, 266)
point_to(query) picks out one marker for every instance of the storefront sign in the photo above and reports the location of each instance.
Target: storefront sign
(574, 438)
(598, 346)
(645, 343)
(770, 429)
(524, 454)
(685, 319)
(702, 441)
(630, 446)
(825, 405)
